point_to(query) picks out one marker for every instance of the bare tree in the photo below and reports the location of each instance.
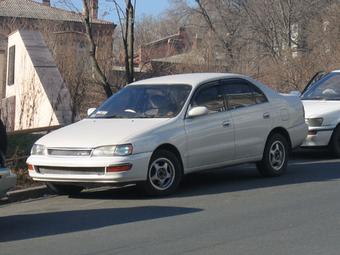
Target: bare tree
(127, 25)
(92, 53)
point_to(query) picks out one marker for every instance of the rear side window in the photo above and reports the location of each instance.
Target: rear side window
(240, 94)
(211, 98)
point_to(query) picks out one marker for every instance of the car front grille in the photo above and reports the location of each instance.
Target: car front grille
(69, 152)
(70, 170)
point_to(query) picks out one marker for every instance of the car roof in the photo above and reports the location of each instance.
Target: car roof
(193, 79)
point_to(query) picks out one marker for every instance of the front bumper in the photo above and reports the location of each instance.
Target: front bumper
(138, 171)
(318, 136)
(8, 181)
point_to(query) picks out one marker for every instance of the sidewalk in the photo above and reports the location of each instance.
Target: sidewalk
(28, 193)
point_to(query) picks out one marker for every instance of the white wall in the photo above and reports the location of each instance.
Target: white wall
(42, 98)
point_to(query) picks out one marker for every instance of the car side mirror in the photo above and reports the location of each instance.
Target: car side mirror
(295, 93)
(197, 111)
(90, 111)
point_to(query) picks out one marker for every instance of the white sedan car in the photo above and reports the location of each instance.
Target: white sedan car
(321, 100)
(154, 131)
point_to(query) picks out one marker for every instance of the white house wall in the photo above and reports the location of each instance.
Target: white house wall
(42, 98)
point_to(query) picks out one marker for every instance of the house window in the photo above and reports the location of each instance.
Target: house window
(11, 65)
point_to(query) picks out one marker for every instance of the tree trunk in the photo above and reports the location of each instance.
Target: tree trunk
(95, 66)
(129, 41)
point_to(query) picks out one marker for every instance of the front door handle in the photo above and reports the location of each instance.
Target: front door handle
(266, 115)
(226, 123)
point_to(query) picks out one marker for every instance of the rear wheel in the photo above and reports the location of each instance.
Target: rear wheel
(164, 174)
(275, 156)
(335, 143)
(64, 189)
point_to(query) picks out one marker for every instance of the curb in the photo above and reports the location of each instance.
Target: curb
(24, 194)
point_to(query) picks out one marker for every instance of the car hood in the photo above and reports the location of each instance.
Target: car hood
(319, 108)
(90, 133)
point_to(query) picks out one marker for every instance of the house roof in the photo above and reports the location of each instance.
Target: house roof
(192, 57)
(161, 40)
(34, 10)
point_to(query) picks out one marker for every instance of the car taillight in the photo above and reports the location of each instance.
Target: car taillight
(118, 168)
(30, 167)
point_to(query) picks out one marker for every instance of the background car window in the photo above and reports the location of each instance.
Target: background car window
(327, 88)
(211, 98)
(239, 94)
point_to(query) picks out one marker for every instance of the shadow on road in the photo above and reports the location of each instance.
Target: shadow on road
(305, 166)
(19, 227)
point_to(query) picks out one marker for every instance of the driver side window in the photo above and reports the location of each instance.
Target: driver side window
(211, 98)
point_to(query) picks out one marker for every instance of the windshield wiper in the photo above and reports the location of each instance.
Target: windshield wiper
(111, 117)
(145, 116)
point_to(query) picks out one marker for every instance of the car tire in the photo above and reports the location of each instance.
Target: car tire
(164, 174)
(275, 156)
(64, 189)
(335, 143)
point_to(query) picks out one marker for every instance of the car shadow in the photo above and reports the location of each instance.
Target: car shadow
(20, 227)
(305, 166)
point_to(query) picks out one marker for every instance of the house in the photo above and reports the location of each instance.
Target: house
(170, 46)
(45, 48)
(180, 52)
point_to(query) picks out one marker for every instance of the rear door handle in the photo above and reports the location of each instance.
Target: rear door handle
(226, 123)
(266, 115)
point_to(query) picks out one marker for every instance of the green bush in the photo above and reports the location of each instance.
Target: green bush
(19, 147)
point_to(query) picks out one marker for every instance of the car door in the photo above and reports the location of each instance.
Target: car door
(251, 115)
(210, 138)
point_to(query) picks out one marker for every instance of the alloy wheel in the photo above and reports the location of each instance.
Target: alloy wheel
(277, 155)
(162, 173)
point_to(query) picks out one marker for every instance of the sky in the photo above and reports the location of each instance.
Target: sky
(106, 11)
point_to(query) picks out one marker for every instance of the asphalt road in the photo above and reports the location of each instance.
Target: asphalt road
(233, 211)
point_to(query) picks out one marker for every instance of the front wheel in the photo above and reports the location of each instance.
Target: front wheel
(164, 174)
(275, 156)
(64, 189)
(335, 143)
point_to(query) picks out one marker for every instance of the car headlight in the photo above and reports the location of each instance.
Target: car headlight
(314, 122)
(113, 150)
(38, 149)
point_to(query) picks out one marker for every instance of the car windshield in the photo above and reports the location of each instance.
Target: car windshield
(328, 88)
(144, 101)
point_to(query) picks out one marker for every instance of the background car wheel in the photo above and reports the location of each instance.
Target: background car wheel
(335, 143)
(64, 189)
(275, 156)
(164, 174)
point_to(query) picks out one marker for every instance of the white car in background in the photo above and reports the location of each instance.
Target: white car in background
(321, 99)
(154, 131)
